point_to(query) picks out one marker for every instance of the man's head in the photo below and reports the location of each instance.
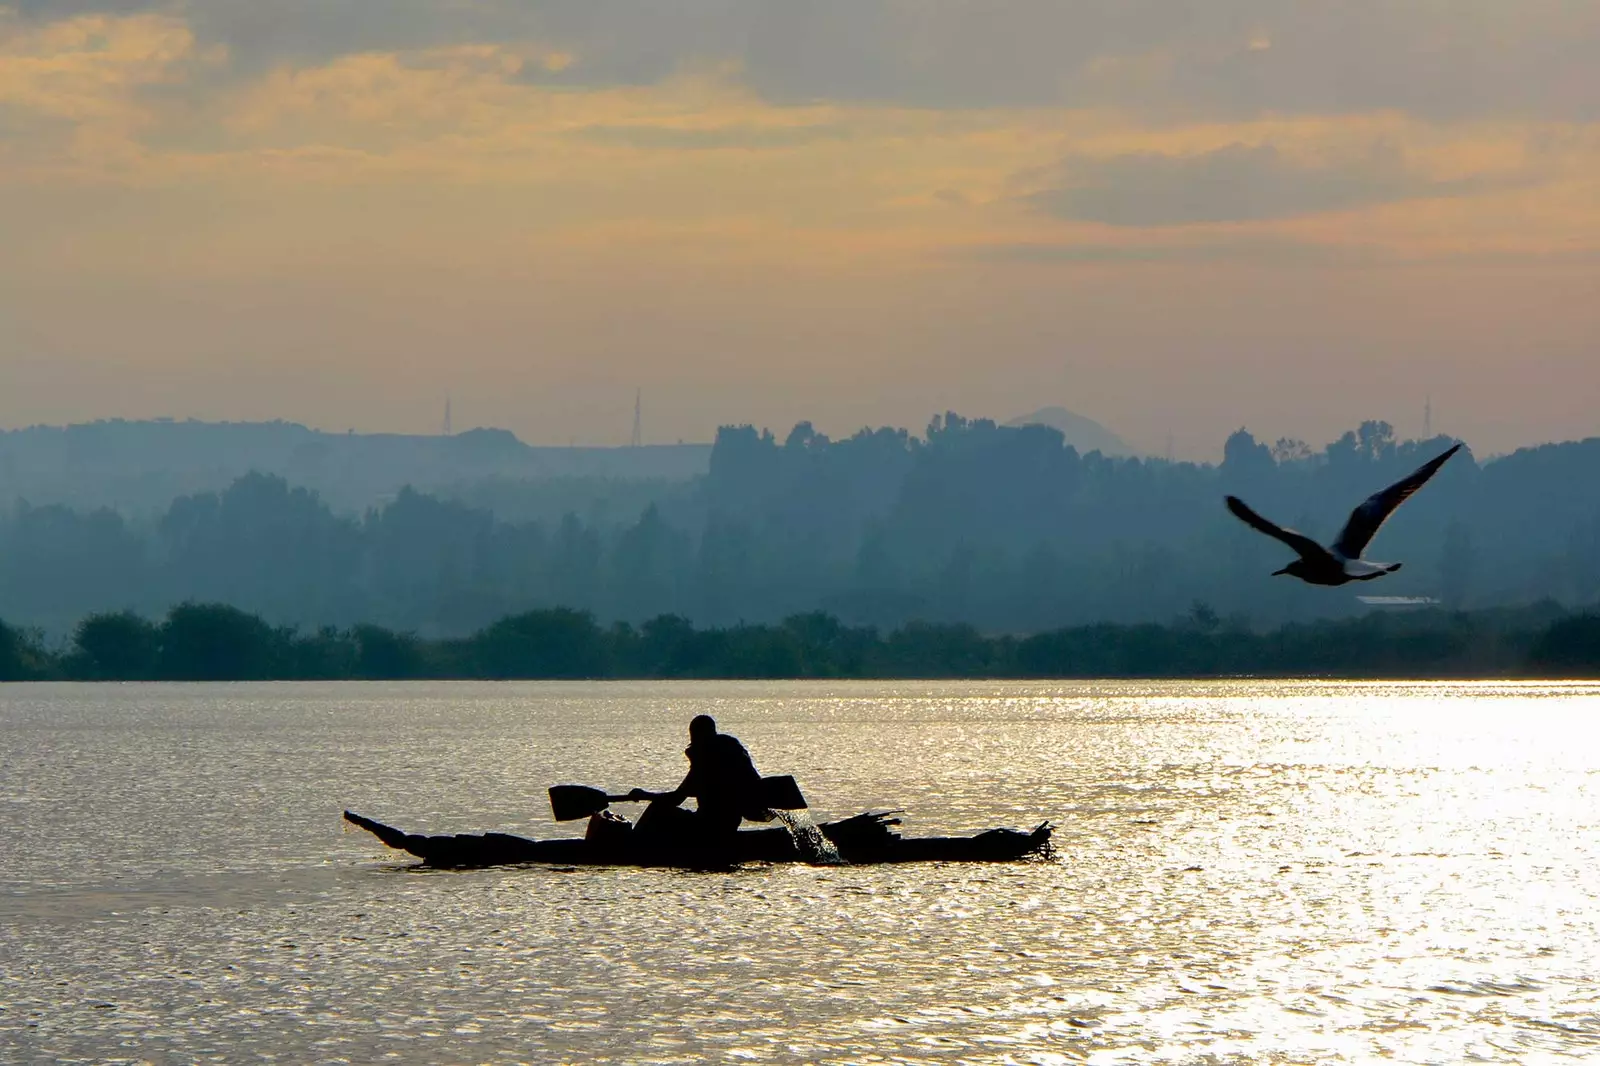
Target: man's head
(702, 727)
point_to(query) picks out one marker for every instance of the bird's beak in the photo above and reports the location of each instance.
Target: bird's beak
(1277, 573)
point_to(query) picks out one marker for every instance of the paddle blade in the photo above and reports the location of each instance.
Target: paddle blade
(571, 802)
(782, 794)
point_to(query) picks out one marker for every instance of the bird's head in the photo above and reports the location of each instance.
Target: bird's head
(1293, 569)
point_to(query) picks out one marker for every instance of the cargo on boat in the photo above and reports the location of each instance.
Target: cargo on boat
(865, 839)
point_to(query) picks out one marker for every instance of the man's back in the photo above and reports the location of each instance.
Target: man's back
(723, 776)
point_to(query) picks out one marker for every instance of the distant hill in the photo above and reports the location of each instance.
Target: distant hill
(1084, 434)
(142, 465)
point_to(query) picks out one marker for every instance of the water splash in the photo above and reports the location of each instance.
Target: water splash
(809, 840)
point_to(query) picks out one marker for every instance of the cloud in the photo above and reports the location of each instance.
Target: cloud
(1262, 250)
(1213, 248)
(525, 142)
(1234, 183)
(77, 95)
(1224, 59)
(88, 68)
(744, 136)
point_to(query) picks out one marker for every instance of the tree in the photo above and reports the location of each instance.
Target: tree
(382, 654)
(646, 564)
(216, 642)
(573, 576)
(21, 658)
(1457, 560)
(1247, 464)
(1203, 617)
(1569, 647)
(116, 647)
(558, 643)
(1375, 440)
(1289, 450)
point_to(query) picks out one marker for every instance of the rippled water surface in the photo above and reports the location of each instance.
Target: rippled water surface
(1248, 872)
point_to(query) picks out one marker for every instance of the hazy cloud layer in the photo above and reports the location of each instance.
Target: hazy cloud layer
(1226, 57)
(1268, 251)
(1235, 183)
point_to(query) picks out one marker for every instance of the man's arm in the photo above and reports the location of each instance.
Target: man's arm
(677, 795)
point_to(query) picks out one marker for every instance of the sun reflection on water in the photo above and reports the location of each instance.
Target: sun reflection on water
(1246, 872)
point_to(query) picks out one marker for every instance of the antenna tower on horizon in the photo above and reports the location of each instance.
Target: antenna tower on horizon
(447, 415)
(1427, 418)
(638, 411)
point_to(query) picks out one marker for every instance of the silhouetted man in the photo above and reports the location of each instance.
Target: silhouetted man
(724, 782)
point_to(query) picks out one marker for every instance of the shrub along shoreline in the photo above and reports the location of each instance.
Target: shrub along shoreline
(215, 642)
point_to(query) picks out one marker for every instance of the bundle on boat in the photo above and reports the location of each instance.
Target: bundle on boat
(864, 839)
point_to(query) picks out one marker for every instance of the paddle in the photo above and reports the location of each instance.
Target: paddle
(781, 793)
(570, 802)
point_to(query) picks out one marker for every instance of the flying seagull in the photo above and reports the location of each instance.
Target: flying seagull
(1342, 561)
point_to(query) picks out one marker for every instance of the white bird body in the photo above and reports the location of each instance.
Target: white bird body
(1364, 569)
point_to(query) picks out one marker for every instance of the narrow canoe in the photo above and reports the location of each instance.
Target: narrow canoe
(865, 839)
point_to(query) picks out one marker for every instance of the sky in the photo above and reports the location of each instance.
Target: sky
(1175, 217)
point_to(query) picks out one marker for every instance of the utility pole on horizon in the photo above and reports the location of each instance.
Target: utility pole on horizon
(638, 436)
(447, 414)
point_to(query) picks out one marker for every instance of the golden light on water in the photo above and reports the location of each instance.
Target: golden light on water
(1246, 872)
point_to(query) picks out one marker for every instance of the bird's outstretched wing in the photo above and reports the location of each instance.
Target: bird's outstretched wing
(1375, 510)
(1308, 548)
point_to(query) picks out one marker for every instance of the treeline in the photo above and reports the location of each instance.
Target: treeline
(213, 642)
(1006, 529)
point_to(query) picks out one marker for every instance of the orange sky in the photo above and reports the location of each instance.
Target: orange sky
(1278, 215)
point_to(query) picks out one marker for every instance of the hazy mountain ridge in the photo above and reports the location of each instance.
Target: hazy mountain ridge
(1008, 529)
(1078, 431)
(141, 466)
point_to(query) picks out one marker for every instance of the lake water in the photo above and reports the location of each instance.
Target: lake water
(1247, 872)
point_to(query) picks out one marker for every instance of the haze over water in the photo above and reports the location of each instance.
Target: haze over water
(1247, 872)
